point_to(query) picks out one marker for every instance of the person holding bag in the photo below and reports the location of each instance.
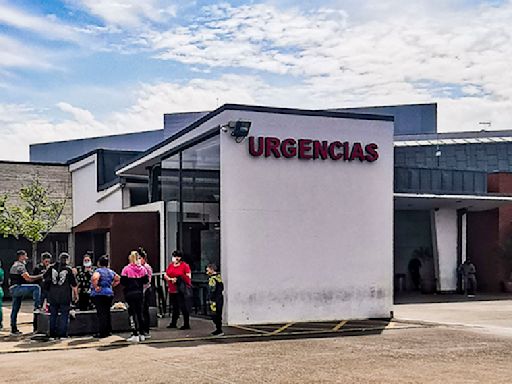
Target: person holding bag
(179, 278)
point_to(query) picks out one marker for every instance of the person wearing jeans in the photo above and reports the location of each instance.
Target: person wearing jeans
(21, 287)
(62, 290)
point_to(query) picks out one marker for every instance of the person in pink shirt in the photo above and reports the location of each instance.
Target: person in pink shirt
(133, 278)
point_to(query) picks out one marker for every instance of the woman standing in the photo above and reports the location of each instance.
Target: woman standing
(102, 282)
(133, 278)
(84, 276)
(179, 279)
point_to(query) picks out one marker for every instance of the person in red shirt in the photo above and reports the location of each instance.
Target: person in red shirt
(179, 279)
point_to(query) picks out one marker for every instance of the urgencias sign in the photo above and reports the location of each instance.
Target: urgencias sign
(308, 149)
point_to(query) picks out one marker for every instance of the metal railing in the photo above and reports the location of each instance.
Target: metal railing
(199, 288)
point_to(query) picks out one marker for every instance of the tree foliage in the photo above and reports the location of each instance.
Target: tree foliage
(34, 217)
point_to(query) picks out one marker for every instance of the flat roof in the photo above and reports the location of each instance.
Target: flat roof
(426, 201)
(450, 138)
(250, 108)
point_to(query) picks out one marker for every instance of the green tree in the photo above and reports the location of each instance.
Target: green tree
(34, 217)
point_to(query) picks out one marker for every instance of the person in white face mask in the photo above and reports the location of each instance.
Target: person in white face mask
(83, 276)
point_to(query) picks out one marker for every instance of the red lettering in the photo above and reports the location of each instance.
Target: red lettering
(372, 154)
(312, 149)
(252, 150)
(304, 147)
(320, 149)
(272, 147)
(332, 150)
(346, 151)
(288, 148)
(357, 152)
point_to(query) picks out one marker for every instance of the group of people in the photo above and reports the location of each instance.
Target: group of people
(58, 286)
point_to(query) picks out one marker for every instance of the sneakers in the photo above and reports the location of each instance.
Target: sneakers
(217, 333)
(147, 336)
(185, 327)
(16, 332)
(133, 339)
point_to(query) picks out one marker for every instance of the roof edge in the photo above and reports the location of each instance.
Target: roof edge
(255, 108)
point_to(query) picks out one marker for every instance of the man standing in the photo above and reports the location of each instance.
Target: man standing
(467, 271)
(21, 286)
(40, 269)
(62, 290)
(215, 297)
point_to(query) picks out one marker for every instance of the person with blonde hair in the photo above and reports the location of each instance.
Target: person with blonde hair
(133, 278)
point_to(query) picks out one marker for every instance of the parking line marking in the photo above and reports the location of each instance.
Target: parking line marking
(250, 329)
(338, 326)
(279, 330)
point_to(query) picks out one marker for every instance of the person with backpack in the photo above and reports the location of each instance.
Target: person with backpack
(61, 285)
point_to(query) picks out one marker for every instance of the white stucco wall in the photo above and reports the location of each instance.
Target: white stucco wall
(306, 239)
(86, 199)
(446, 245)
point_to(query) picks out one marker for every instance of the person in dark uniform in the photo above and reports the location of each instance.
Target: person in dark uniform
(215, 297)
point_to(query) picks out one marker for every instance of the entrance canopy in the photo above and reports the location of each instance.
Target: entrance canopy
(473, 203)
(118, 233)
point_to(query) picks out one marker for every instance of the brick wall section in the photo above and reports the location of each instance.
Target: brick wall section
(502, 183)
(482, 249)
(56, 178)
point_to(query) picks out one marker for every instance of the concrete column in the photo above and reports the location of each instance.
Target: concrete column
(444, 233)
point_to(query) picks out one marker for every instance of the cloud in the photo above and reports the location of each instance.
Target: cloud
(46, 27)
(15, 54)
(129, 13)
(390, 53)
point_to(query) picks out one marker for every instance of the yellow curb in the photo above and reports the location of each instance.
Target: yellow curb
(279, 330)
(339, 325)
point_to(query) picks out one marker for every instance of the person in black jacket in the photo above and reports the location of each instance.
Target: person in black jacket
(61, 285)
(133, 278)
(215, 298)
(40, 269)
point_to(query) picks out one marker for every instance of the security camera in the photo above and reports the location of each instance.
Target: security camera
(223, 128)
